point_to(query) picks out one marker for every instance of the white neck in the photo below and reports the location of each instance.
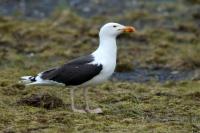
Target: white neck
(107, 49)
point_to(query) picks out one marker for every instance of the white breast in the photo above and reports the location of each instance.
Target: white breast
(108, 61)
(106, 72)
(105, 55)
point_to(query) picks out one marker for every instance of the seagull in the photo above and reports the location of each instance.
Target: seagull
(87, 70)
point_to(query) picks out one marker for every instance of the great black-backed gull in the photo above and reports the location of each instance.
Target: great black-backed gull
(87, 70)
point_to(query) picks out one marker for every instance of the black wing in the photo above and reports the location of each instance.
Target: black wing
(75, 72)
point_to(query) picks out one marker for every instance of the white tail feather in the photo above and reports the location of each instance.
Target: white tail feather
(26, 79)
(30, 80)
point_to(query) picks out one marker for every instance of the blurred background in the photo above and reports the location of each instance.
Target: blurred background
(167, 41)
(158, 67)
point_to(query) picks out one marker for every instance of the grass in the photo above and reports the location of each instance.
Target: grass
(128, 107)
(59, 37)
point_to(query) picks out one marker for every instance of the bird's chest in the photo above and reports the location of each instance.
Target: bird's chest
(108, 62)
(108, 68)
(107, 71)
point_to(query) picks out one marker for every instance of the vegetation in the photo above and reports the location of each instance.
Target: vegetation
(128, 107)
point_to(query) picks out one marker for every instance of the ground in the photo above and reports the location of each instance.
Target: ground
(128, 107)
(166, 37)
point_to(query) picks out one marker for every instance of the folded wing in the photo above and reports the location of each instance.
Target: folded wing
(75, 72)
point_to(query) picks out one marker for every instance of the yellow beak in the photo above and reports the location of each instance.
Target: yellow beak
(129, 29)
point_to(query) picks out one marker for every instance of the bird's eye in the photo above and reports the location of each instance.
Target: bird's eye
(114, 26)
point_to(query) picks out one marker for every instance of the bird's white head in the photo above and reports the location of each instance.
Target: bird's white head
(114, 29)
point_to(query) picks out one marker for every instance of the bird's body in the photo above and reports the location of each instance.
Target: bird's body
(87, 70)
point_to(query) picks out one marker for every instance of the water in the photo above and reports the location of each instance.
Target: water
(43, 8)
(160, 75)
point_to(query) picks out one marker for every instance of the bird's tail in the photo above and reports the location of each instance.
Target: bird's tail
(27, 79)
